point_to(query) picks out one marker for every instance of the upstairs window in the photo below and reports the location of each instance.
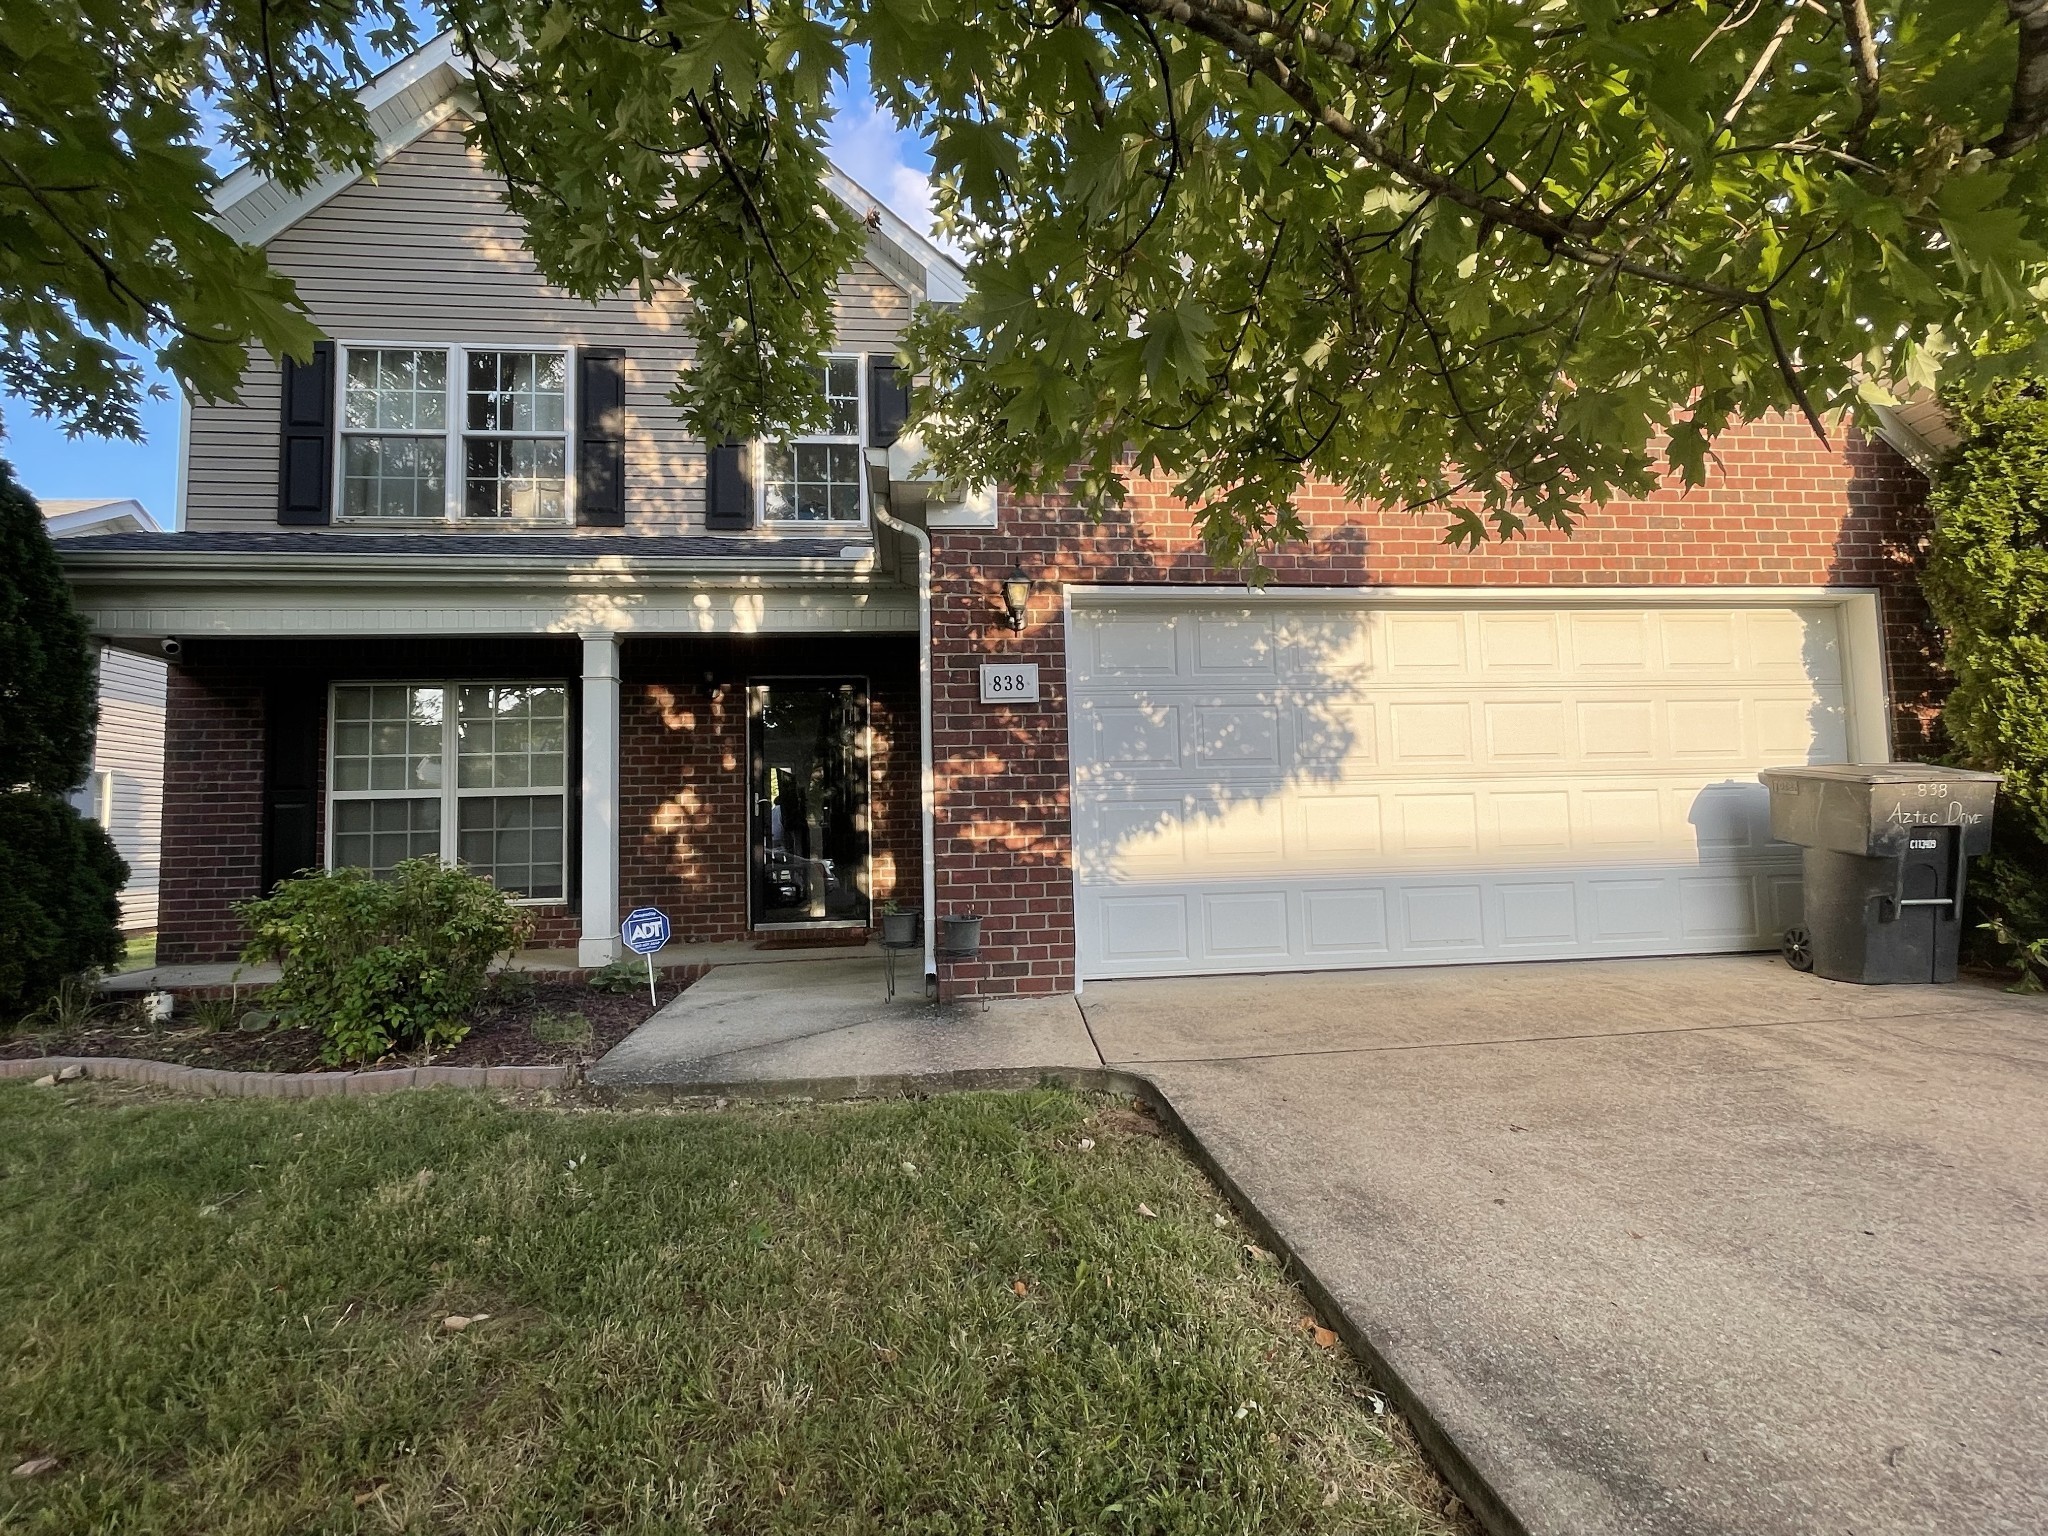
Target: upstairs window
(394, 434)
(417, 420)
(820, 477)
(515, 442)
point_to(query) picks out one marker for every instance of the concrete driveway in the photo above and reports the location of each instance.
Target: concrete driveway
(1695, 1245)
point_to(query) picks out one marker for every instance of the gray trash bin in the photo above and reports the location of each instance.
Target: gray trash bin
(1886, 846)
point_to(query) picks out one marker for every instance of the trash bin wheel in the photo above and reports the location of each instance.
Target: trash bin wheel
(1797, 946)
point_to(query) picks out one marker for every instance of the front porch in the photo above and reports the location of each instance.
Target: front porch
(726, 730)
(753, 788)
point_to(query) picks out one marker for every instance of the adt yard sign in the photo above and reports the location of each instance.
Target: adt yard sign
(645, 930)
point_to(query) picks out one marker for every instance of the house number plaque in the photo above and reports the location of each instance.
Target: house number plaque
(1005, 682)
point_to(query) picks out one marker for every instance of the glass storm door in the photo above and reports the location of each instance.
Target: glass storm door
(808, 772)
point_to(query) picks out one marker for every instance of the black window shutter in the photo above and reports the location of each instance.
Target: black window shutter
(728, 488)
(291, 780)
(305, 480)
(601, 437)
(888, 399)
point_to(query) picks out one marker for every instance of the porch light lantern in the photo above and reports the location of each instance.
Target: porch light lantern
(1016, 597)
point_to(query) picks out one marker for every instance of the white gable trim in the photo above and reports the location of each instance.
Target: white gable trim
(427, 88)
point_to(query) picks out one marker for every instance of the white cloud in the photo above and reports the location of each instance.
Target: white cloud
(865, 142)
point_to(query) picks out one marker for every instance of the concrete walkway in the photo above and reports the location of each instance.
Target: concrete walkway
(1686, 1246)
(823, 1026)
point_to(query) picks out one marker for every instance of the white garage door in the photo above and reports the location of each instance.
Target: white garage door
(1279, 785)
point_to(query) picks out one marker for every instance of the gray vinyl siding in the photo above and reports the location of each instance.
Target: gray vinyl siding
(429, 253)
(128, 751)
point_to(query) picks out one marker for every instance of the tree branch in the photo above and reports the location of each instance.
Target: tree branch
(2027, 120)
(1863, 54)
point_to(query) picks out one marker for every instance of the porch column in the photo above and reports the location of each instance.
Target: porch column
(600, 799)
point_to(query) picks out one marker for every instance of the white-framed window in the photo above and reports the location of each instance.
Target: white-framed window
(441, 434)
(503, 807)
(821, 477)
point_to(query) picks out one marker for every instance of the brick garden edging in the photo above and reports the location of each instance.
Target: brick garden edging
(216, 1082)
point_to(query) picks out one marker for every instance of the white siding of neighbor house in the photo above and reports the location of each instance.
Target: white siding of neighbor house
(128, 759)
(428, 252)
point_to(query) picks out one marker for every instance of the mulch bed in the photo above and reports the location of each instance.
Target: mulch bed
(501, 1034)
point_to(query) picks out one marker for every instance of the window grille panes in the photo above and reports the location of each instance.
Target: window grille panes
(517, 391)
(818, 477)
(377, 834)
(842, 397)
(391, 391)
(521, 479)
(514, 840)
(511, 738)
(515, 449)
(502, 811)
(393, 477)
(387, 736)
(394, 420)
(813, 482)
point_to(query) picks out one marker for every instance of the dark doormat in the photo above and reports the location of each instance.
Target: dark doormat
(823, 938)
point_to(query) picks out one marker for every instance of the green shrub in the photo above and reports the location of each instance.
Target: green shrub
(620, 977)
(1987, 582)
(60, 880)
(380, 965)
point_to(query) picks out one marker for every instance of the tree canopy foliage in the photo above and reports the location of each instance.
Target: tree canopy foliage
(1502, 257)
(107, 256)
(1498, 257)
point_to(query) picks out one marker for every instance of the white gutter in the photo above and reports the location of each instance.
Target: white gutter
(927, 778)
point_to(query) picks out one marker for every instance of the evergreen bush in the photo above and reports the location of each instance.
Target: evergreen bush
(59, 873)
(1987, 582)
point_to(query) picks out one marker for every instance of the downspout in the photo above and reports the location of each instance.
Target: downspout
(927, 778)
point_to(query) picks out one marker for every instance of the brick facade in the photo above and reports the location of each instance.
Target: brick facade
(1780, 509)
(683, 790)
(213, 813)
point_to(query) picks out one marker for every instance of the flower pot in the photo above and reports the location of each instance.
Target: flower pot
(900, 928)
(960, 937)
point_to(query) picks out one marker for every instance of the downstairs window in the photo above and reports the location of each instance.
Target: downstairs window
(501, 809)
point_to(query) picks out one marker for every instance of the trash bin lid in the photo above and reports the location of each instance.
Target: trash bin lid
(1883, 773)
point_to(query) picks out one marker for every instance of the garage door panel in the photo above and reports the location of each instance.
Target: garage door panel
(1607, 644)
(1333, 738)
(1431, 644)
(1521, 645)
(1234, 646)
(1246, 925)
(1539, 914)
(1345, 924)
(1335, 785)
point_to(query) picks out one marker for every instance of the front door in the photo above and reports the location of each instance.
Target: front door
(807, 751)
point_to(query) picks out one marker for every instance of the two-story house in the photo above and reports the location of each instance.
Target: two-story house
(463, 586)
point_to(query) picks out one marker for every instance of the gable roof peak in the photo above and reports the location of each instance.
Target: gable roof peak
(431, 85)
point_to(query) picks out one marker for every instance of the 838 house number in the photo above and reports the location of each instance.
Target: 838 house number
(1004, 682)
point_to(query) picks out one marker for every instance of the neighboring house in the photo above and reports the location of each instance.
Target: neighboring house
(125, 792)
(462, 586)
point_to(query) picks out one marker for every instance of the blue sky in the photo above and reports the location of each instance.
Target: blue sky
(866, 144)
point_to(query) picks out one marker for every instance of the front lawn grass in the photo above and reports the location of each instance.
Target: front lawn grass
(914, 1316)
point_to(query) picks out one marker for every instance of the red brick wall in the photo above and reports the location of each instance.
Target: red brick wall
(1780, 509)
(213, 814)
